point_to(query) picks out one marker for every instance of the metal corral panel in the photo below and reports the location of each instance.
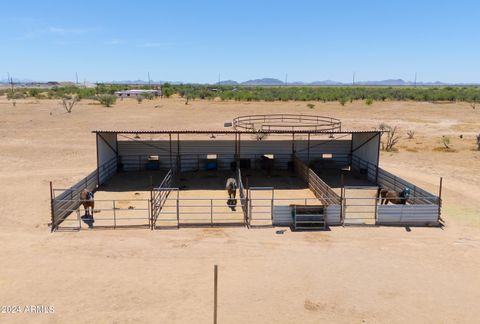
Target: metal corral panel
(334, 215)
(407, 214)
(282, 216)
(392, 182)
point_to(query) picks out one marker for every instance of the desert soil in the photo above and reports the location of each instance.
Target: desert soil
(346, 275)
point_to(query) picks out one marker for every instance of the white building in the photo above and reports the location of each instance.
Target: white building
(136, 93)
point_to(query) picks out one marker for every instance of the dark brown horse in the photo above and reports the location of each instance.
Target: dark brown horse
(397, 198)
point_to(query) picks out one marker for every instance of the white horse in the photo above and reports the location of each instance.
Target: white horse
(231, 187)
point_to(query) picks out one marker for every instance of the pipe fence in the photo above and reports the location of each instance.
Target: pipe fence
(64, 201)
(321, 190)
(159, 195)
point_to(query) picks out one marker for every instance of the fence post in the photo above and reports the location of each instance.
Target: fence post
(440, 199)
(52, 213)
(114, 215)
(211, 212)
(178, 212)
(215, 294)
(271, 211)
(342, 204)
(151, 209)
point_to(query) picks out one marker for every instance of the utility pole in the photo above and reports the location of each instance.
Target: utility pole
(286, 79)
(415, 82)
(76, 78)
(149, 83)
(353, 80)
(10, 80)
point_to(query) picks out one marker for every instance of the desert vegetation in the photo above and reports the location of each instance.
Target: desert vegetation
(68, 102)
(342, 94)
(391, 137)
(106, 100)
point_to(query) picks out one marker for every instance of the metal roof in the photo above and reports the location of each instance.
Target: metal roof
(235, 131)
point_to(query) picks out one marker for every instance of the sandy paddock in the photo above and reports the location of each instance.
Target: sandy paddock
(346, 275)
(202, 198)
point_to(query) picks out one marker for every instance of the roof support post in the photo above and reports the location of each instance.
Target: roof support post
(308, 149)
(98, 161)
(170, 146)
(179, 161)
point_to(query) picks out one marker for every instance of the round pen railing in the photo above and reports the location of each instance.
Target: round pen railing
(273, 122)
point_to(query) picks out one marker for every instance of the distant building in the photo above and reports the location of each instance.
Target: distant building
(136, 93)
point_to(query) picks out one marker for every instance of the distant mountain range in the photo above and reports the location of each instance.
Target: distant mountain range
(272, 82)
(277, 82)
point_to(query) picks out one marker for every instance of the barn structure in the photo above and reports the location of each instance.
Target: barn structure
(137, 93)
(301, 171)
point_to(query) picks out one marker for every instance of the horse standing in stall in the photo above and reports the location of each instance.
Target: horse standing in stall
(231, 187)
(398, 198)
(86, 199)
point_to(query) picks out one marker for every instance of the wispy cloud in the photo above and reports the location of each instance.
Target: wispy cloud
(68, 31)
(156, 45)
(115, 42)
(56, 31)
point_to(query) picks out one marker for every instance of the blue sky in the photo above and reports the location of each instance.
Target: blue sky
(194, 41)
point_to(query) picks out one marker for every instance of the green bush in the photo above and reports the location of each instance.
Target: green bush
(107, 100)
(369, 101)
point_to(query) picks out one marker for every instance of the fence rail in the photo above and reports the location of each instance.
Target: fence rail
(286, 121)
(243, 196)
(159, 196)
(65, 201)
(389, 181)
(321, 190)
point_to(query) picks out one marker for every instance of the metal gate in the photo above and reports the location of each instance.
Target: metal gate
(260, 206)
(359, 205)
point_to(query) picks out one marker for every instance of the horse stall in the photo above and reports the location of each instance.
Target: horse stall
(264, 169)
(422, 208)
(303, 178)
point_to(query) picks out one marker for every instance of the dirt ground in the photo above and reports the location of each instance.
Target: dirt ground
(346, 275)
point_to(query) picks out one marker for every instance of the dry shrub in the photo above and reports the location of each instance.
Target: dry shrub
(392, 137)
(410, 134)
(445, 141)
(69, 102)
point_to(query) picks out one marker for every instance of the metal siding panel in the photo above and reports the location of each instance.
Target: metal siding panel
(407, 214)
(225, 149)
(105, 153)
(282, 216)
(333, 215)
(369, 151)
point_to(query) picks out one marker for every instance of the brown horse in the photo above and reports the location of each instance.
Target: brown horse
(86, 199)
(398, 198)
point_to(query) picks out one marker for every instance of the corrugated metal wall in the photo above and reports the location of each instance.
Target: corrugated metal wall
(106, 146)
(366, 146)
(134, 154)
(407, 215)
